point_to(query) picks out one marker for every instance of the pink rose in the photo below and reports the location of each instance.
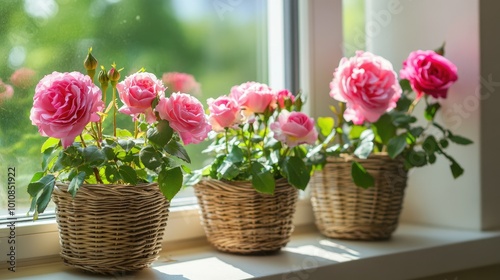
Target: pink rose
(6, 91)
(181, 82)
(368, 84)
(137, 92)
(284, 95)
(224, 112)
(23, 78)
(294, 128)
(186, 116)
(429, 73)
(254, 97)
(64, 103)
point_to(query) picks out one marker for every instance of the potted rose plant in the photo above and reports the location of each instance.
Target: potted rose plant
(111, 186)
(247, 194)
(377, 139)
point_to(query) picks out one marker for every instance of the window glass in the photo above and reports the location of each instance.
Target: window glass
(221, 43)
(353, 16)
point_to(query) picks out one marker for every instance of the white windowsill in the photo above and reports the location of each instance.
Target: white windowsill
(414, 251)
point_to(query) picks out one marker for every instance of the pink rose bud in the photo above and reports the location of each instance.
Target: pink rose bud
(23, 78)
(186, 116)
(64, 103)
(429, 73)
(181, 82)
(285, 97)
(294, 128)
(368, 84)
(224, 112)
(254, 97)
(6, 92)
(137, 93)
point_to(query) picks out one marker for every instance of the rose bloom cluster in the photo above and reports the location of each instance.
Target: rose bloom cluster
(251, 98)
(369, 86)
(64, 103)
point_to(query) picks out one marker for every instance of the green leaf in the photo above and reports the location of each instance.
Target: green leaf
(50, 143)
(432, 158)
(123, 133)
(459, 139)
(440, 50)
(112, 174)
(296, 172)
(326, 125)
(128, 174)
(108, 152)
(170, 182)
(367, 136)
(76, 183)
(36, 186)
(456, 169)
(37, 176)
(262, 178)
(417, 131)
(150, 157)
(417, 158)
(44, 199)
(126, 144)
(161, 134)
(70, 157)
(47, 157)
(396, 145)
(430, 145)
(431, 110)
(93, 156)
(384, 128)
(402, 119)
(176, 149)
(404, 102)
(228, 170)
(236, 155)
(444, 143)
(356, 131)
(364, 150)
(405, 85)
(360, 176)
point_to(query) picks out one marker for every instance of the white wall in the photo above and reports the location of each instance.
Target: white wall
(394, 29)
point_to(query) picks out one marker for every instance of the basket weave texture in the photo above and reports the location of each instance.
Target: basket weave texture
(238, 219)
(110, 229)
(343, 210)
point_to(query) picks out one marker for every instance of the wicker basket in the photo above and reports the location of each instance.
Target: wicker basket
(343, 210)
(237, 219)
(111, 229)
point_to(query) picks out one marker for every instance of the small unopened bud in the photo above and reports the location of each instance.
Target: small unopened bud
(103, 76)
(90, 64)
(103, 80)
(114, 75)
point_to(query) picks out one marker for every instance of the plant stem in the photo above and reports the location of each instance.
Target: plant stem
(136, 128)
(412, 106)
(226, 137)
(97, 176)
(115, 108)
(83, 141)
(340, 120)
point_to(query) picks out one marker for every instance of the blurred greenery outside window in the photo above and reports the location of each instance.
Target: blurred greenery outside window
(221, 43)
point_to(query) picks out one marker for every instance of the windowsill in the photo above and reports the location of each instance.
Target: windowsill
(414, 251)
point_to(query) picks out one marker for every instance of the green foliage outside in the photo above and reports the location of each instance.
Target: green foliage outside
(134, 34)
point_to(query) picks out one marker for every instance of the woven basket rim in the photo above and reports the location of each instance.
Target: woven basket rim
(66, 184)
